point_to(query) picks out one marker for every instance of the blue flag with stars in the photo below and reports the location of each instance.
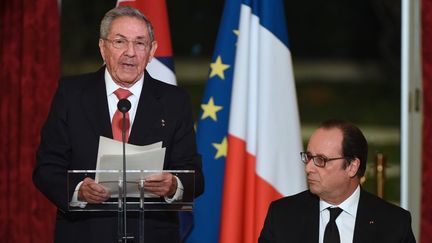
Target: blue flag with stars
(212, 128)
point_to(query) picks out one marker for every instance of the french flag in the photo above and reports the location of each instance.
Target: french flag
(162, 66)
(249, 129)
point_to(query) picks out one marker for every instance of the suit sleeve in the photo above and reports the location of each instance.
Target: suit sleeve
(184, 155)
(408, 235)
(266, 235)
(53, 154)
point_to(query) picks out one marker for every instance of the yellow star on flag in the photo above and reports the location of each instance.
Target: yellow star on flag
(237, 33)
(221, 148)
(210, 110)
(218, 68)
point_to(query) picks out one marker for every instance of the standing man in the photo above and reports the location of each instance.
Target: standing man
(84, 108)
(336, 209)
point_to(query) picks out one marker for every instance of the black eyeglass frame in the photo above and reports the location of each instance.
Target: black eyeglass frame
(306, 157)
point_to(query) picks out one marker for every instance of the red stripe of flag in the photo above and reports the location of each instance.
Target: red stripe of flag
(246, 196)
(157, 13)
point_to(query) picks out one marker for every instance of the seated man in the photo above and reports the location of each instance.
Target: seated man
(336, 209)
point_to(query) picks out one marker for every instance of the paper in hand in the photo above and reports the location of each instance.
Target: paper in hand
(140, 159)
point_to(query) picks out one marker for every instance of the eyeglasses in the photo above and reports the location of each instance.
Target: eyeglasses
(123, 43)
(318, 160)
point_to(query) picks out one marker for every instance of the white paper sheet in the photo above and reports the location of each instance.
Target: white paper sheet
(110, 157)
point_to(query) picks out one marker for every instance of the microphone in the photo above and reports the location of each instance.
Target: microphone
(124, 106)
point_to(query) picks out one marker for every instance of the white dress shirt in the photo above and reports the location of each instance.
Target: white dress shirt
(111, 86)
(346, 220)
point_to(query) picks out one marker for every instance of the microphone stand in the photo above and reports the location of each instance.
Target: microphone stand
(123, 106)
(124, 178)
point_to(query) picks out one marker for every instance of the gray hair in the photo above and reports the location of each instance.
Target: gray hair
(123, 11)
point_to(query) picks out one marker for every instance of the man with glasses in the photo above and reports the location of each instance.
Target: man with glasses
(85, 107)
(335, 209)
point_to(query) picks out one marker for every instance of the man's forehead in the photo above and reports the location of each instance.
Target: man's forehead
(124, 25)
(326, 138)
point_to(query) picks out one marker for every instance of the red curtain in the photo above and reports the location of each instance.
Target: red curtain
(29, 70)
(426, 206)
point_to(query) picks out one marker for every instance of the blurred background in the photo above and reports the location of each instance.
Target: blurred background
(346, 58)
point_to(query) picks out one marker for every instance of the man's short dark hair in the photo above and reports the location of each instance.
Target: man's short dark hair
(354, 144)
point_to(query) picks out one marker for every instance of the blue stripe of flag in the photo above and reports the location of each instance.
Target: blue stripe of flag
(207, 208)
(271, 14)
(167, 61)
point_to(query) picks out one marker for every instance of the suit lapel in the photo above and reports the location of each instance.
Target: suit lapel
(94, 103)
(149, 118)
(365, 225)
(315, 220)
(311, 234)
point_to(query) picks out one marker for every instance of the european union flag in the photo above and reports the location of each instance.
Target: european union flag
(212, 127)
(248, 130)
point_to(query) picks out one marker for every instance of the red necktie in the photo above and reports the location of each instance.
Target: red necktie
(117, 123)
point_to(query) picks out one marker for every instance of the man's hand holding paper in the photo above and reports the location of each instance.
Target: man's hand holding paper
(164, 184)
(92, 192)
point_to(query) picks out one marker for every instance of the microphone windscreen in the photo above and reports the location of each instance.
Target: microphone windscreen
(123, 105)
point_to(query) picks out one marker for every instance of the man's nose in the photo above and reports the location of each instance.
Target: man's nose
(309, 166)
(131, 48)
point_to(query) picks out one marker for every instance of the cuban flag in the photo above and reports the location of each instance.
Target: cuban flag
(162, 66)
(248, 130)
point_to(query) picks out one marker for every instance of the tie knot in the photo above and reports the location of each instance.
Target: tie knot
(334, 213)
(122, 93)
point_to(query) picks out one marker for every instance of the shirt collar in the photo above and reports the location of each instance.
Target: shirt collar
(111, 86)
(349, 205)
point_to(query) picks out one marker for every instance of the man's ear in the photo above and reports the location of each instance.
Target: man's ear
(101, 49)
(154, 46)
(353, 167)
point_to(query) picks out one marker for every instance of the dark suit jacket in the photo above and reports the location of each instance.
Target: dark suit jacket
(295, 219)
(70, 138)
